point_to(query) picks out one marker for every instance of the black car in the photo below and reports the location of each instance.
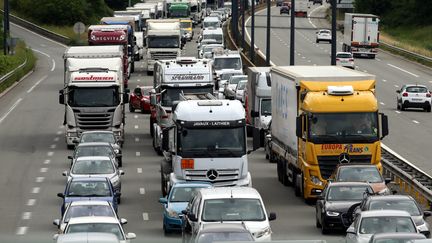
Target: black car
(335, 200)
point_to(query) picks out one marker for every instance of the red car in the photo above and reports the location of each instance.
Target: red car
(140, 99)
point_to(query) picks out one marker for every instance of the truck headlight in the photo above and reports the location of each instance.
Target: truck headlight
(262, 233)
(332, 214)
(315, 180)
(171, 213)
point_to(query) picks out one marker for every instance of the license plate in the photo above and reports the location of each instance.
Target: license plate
(414, 99)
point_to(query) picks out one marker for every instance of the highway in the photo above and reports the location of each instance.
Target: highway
(34, 155)
(410, 131)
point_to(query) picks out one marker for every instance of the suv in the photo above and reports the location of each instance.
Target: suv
(285, 8)
(414, 96)
(233, 204)
(323, 35)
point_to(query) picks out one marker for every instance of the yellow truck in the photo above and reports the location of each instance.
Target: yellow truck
(186, 29)
(323, 116)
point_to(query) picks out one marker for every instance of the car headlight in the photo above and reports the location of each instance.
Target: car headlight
(171, 213)
(384, 191)
(262, 233)
(315, 180)
(332, 214)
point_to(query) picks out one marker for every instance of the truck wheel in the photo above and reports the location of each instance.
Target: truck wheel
(149, 73)
(249, 131)
(120, 162)
(131, 108)
(133, 67)
(297, 189)
(279, 173)
(285, 179)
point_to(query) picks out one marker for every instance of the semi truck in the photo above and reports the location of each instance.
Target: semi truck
(323, 116)
(361, 34)
(301, 8)
(93, 95)
(206, 142)
(258, 99)
(163, 41)
(179, 10)
(139, 26)
(172, 77)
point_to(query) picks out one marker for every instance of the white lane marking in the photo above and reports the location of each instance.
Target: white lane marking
(43, 170)
(396, 86)
(398, 112)
(53, 65)
(142, 190)
(137, 154)
(145, 216)
(137, 139)
(403, 70)
(139, 170)
(138, 80)
(416, 122)
(50, 153)
(248, 36)
(379, 60)
(26, 216)
(365, 71)
(10, 109)
(136, 127)
(58, 43)
(40, 179)
(35, 190)
(59, 132)
(53, 146)
(382, 103)
(21, 230)
(61, 126)
(384, 80)
(31, 202)
(36, 84)
(136, 116)
(56, 139)
(47, 161)
(303, 57)
(43, 53)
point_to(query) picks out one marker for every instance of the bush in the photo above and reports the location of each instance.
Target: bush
(120, 4)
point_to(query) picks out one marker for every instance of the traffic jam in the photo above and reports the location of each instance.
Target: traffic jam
(320, 125)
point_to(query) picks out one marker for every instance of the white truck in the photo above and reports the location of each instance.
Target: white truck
(258, 99)
(93, 96)
(138, 30)
(153, 7)
(361, 34)
(163, 39)
(206, 142)
(301, 8)
(172, 77)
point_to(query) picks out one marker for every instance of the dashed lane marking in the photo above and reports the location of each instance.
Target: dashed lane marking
(31, 202)
(43, 170)
(139, 170)
(384, 80)
(145, 216)
(36, 84)
(136, 126)
(136, 116)
(35, 190)
(398, 112)
(56, 139)
(10, 109)
(40, 179)
(26, 216)
(21, 230)
(396, 86)
(137, 139)
(138, 154)
(59, 132)
(142, 190)
(403, 70)
(53, 146)
(416, 122)
(50, 153)
(47, 161)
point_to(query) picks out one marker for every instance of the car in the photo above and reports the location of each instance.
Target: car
(84, 188)
(87, 237)
(399, 202)
(82, 209)
(414, 96)
(177, 201)
(226, 74)
(332, 205)
(268, 144)
(345, 59)
(139, 99)
(218, 232)
(396, 237)
(279, 3)
(96, 149)
(231, 84)
(323, 35)
(285, 8)
(101, 136)
(206, 51)
(99, 224)
(362, 173)
(368, 223)
(239, 90)
(97, 166)
(228, 204)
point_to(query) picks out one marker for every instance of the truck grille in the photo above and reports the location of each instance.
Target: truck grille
(163, 55)
(92, 121)
(328, 164)
(225, 177)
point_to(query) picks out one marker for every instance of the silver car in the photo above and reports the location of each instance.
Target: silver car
(96, 149)
(231, 85)
(345, 59)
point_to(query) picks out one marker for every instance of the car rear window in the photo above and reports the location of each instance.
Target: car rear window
(325, 31)
(344, 55)
(416, 89)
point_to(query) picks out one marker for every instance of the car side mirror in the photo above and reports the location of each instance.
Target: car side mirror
(387, 180)
(117, 194)
(61, 195)
(192, 217)
(350, 230)
(123, 221)
(130, 236)
(121, 172)
(272, 216)
(163, 200)
(427, 214)
(65, 173)
(185, 212)
(56, 222)
(70, 157)
(61, 97)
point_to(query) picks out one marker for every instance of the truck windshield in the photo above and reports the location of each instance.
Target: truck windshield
(212, 142)
(211, 24)
(218, 38)
(179, 13)
(163, 42)
(227, 63)
(266, 107)
(360, 127)
(173, 94)
(93, 97)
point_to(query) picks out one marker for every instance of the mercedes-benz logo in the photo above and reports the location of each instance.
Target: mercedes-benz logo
(344, 158)
(212, 174)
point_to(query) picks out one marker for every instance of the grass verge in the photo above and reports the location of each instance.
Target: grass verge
(10, 62)
(416, 39)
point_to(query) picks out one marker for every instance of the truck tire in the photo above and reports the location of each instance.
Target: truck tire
(279, 170)
(297, 189)
(69, 146)
(285, 179)
(249, 131)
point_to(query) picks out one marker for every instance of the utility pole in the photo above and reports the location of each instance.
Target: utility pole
(252, 47)
(268, 33)
(6, 27)
(333, 43)
(243, 23)
(292, 31)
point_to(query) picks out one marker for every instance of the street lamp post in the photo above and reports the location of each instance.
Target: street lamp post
(268, 33)
(292, 31)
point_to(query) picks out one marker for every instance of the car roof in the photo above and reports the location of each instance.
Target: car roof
(94, 144)
(88, 237)
(89, 202)
(348, 183)
(89, 179)
(97, 131)
(223, 227)
(390, 197)
(193, 184)
(93, 158)
(383, 213)
(229, 192)
(93, 219)
(342, 52)
(238, 76)
(399, 235)
(414, 85)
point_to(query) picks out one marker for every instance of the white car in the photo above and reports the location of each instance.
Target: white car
(229, 204)
(98, 224)
(239, 90)
(87, 237)
(231, 85)
(206, 50)
(414, 96)
(223, 77)
(345, 59)
(323, 35)
(368, 223)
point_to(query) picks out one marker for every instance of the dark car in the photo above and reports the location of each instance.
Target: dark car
(396, 202)
(84, 188)
(140, 99)
(335, 200)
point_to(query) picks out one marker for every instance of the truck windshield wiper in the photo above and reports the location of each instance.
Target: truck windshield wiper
(327, 138)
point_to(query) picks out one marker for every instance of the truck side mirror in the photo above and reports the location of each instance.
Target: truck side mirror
(165, 139)
(299, 127)
(254, 114)
(61, 97)
(384, 126)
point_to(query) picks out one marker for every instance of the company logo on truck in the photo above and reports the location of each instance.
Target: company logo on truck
(108, 38)
(93, 78)
(181, 77)
(345, 148)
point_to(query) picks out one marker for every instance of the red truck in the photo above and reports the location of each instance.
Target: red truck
(112, 35)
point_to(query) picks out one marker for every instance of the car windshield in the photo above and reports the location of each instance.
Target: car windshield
(91, 167)
(235, 80)
(89, 189)
(224, 236)
(207, 24)
(93, 97)
(172, 94)
(359, 127)
(227, 63)
(324, 32)
(344, 55)
(183, 194)
(218, 38)
(97, 137)
(96, 228)
(406, 205)
(233, 209)
(386, 224)
(346, 193)
(226, 76)
(210, 48)
(401, 239)
(266, 107)
(360, 174)
(93, 151)
(241, 85)
(416, 89)
(88, 210)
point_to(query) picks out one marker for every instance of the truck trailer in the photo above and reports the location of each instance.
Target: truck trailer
(361, 34)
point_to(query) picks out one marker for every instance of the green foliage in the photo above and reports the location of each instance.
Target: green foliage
(120, 4)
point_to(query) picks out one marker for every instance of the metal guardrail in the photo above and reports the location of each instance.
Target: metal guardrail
(406, 52)
(11, 73)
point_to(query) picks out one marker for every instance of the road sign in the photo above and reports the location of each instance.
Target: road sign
(345, 4)
(79, 28)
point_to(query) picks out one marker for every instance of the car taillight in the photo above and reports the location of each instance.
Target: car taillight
(337, 59)
(405, 94)
(187, 163)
